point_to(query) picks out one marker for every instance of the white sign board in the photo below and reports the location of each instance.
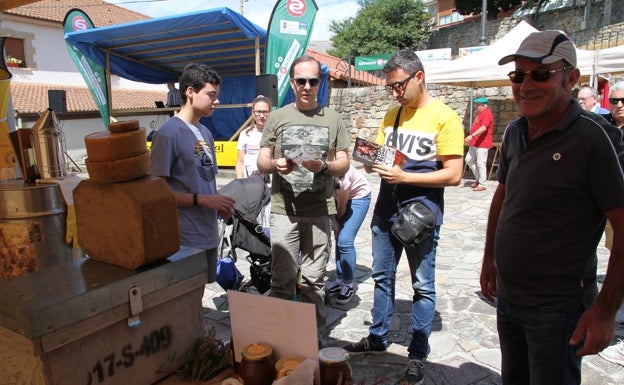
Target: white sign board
(289, 327)
(434, 54)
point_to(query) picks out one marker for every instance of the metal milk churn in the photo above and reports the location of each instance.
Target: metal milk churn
(48, 141)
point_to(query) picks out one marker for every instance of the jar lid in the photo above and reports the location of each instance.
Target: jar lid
(288, 363)
(333, 355)
(257, 351)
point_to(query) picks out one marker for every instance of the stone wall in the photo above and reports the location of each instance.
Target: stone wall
(362, 109)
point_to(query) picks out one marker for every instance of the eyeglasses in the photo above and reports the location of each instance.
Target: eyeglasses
(615, 101)
(583, 100)
(399, 87)
(260, 112)
(302, 81)
(539, 75)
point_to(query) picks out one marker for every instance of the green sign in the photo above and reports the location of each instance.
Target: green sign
(289, 32)
(93, 73)
(367, 63)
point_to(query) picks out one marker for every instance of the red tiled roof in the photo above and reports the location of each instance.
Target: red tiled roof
(100, 12)
(338, 69)
(33, 98)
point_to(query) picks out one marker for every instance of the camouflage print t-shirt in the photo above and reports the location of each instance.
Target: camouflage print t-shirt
(314, 134)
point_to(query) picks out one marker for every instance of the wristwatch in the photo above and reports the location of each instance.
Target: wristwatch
(325, 168)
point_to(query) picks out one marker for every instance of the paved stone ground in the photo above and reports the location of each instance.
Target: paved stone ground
(464, 342)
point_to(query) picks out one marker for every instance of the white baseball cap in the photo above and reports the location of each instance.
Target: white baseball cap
(545, 47)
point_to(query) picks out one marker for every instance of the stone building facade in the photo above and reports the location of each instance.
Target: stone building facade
(603, 27)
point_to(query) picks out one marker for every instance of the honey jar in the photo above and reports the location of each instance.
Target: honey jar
(334, 366)
(257, 366)
(287, 365)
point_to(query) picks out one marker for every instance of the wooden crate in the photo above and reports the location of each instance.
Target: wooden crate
(74, 327)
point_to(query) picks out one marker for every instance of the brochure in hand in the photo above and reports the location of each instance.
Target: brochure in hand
(371, 153)
(302, 153)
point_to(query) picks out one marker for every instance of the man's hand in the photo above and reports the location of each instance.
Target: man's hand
(488, 279)
(392, 175)
(596, 328)
(285, 166)
(222, 203)
(314, 166)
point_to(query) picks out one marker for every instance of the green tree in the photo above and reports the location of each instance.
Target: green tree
(381, 27)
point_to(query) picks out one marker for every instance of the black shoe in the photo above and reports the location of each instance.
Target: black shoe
(415, 372)
(346, 293)
(364, 346)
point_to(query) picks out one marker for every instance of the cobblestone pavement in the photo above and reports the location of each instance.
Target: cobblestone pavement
(464, 342)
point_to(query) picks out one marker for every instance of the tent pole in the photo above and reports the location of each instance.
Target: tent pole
(471, 105)
(257, 47)
(109, 102)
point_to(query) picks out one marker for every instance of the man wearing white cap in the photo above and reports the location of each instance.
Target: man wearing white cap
(559, 178)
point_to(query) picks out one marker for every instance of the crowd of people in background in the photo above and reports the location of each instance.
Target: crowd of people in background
(552, 148)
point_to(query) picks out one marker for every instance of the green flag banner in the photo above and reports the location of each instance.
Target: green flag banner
(367, 63)
(93, 73)
(289, 32)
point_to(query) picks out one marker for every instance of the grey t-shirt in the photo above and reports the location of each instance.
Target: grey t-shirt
(189, 166)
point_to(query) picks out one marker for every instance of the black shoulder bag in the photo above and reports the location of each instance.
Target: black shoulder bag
(415, 220)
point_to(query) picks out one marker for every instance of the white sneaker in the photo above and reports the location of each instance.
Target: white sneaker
(614, 353)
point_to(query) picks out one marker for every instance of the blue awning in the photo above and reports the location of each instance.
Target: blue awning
(156, 50)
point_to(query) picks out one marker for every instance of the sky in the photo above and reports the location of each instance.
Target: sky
(257, 11)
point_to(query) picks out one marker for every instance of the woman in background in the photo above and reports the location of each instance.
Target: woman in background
(249, 140)
(353, 196)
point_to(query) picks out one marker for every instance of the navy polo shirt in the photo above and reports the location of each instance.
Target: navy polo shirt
(557, 189)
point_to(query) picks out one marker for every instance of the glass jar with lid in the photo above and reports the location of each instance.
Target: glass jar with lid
(286, 366)
(334, 366)
(257, 366)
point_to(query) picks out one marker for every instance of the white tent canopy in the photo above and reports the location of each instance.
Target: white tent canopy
(609, 60)
(481, 69)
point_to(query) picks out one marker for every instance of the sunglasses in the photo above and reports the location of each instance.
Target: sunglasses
(399, 87)
(302, 81)
(615, 101)
(539, 75)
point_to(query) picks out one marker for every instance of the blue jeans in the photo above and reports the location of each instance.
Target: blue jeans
(345, 244)
(534, 345)
(387, 252)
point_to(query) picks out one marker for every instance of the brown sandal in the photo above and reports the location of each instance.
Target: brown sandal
(479, 188)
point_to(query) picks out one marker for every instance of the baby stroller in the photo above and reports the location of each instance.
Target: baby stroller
(252, 195)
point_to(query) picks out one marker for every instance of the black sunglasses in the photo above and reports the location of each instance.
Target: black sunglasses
(539, 75)
(615, 101)
(399, 86)
(302, 81)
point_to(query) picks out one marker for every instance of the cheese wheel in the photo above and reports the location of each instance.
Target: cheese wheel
(105, 146)
(124, 125)
(115, 171)
(127, 224)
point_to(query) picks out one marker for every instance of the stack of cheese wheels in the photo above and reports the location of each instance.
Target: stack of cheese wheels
(124, 216)
(118, 155)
